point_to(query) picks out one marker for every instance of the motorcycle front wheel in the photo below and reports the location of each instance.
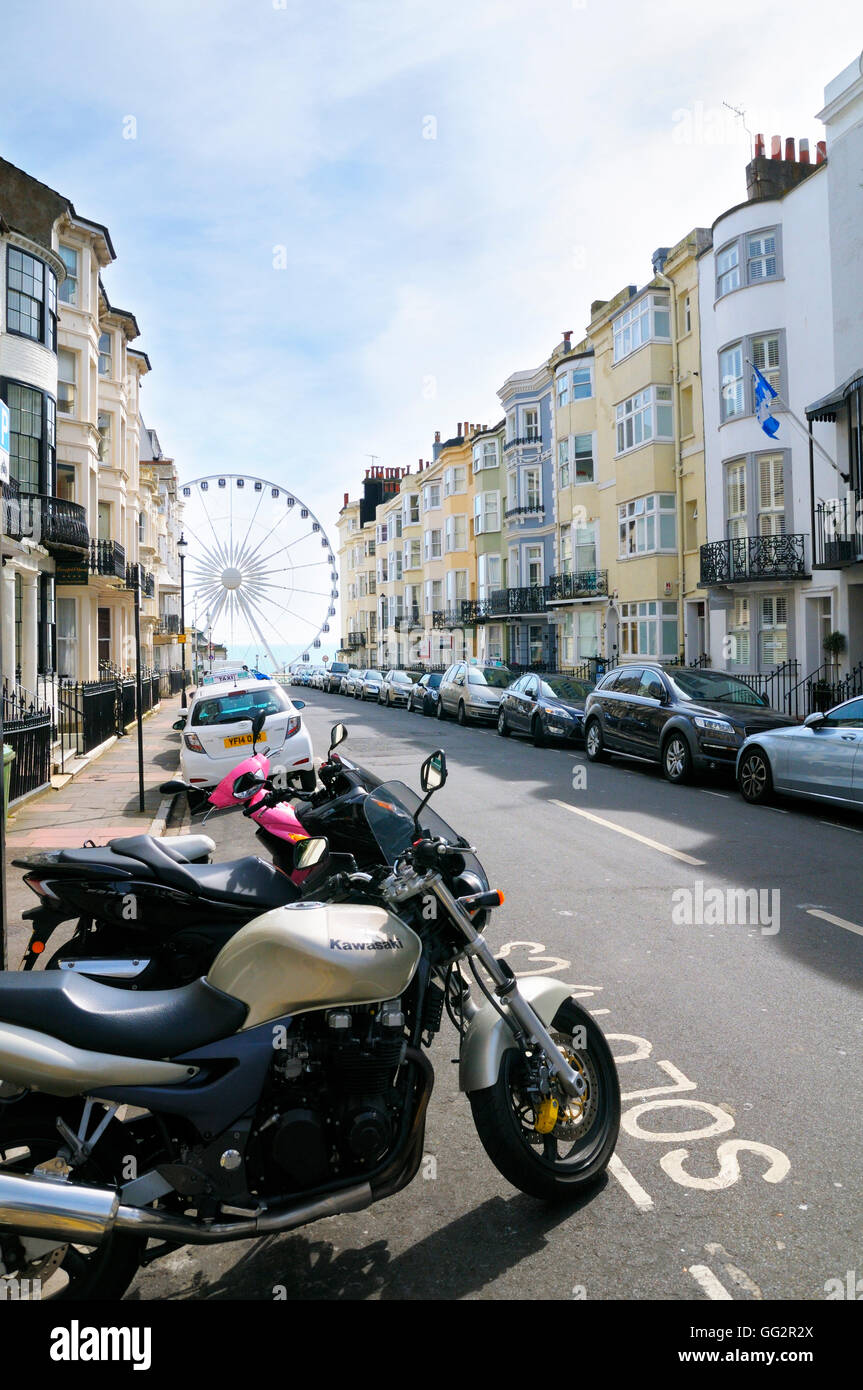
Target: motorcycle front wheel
(29, 1136)
(559, 1165)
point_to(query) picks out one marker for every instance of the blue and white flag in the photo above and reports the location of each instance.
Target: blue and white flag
(764, 397)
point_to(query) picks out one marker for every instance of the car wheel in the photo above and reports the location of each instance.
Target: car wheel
(538, 732)
(594, 745)
(676, 758)
(389, 700)
(461, 715)
(440, 711)
(308, 781)
(755, 779)
(502, 726)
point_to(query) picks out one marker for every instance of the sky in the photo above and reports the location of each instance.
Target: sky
(341, 226)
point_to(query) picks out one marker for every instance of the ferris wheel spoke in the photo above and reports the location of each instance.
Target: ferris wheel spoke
(220, 551)
(241, 549)
(246, 607)
(292, 613)
(262, 560)
(314, 593)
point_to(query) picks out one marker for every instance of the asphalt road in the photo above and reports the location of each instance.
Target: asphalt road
(738, 1170)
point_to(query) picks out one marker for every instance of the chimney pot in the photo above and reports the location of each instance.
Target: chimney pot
(789, 150)
(346, 499)
(567, 337)
(776, 147)
(820, 151)
(759, 146)
(437, 436)
(804, 151)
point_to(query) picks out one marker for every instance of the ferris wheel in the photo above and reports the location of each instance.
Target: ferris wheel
(260, 570)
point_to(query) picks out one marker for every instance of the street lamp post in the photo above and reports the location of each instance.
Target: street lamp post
(182, 547)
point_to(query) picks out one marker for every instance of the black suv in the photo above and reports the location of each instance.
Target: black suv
(686, 718)
(333, 678)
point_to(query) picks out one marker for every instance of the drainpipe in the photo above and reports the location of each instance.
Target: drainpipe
(678, 468)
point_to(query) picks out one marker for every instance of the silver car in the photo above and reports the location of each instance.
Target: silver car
(472, 692)
(368, 687)
(820, 758)
(397, 686)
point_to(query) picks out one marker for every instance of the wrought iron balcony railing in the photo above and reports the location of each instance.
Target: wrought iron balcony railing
(148, 583)
(354, 639)
(54, 522)
(752, 558)
(11, 501)
(108, 558)
(168, 623)
(838, 533)
(522, 440)
(586, 584)
(448, 617)
(532, 509)
(505, 603)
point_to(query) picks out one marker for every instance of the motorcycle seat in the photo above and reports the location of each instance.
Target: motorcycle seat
(247, 882)
(151, 1024)
(184, 849)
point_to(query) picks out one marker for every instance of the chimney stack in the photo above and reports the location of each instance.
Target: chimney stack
(804, 151)
(346, 499)
(437, 436)
(820, 151)
(567, 340)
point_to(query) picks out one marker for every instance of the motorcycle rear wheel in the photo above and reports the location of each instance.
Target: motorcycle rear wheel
(558, 1166)
(28, 1136)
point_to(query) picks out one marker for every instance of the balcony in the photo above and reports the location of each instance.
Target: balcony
(108, 558)
(11, 499)
(587, 584)
(532, 509)
(168, 625)
(148, 583)
(529, 439)
(751, 559)
(505, 603)
(405, 621)
(838, 533)
(354, 639)
(55, 523)
(448, 617)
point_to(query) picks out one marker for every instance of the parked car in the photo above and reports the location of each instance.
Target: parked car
(317, 677)
(368, 686)
(820, 758)
(396, 687)
(686, 719)
(424, 695)
(348, 682)
(217, 732)
(333, 676)
(549, 708)
(472, 692)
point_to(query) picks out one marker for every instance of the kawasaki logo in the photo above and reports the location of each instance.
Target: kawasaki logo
(376, 943)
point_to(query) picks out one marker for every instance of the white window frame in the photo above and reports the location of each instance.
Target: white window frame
(646, 319)
(578, 393)
(639, 526)
(637, 419)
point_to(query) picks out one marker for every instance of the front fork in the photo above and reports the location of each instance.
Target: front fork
(521, 1018)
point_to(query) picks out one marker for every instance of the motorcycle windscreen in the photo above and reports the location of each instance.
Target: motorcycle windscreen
(390, 811)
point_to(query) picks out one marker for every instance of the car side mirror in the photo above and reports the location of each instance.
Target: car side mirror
(813, 721)
(179, 724)
(298, 704)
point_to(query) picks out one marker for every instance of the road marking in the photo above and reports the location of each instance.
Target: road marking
(737, 1276)
(777, 810)
(642, 1199)
(837, 921)
(597, 1012)
(837, 826)
(709, 1283)
(631, 834)
(724, 795)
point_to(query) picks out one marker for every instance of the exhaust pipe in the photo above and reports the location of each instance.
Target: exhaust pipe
(88, 1215)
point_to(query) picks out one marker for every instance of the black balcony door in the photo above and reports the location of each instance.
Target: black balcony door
(104, 637)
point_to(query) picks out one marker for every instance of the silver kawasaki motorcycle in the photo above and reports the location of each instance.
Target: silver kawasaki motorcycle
(292, 1082)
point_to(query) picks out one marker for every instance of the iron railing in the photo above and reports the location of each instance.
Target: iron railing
(27, 729)
(54, 522)
(533, 509)
(108, 558)
(838, 537)
(168, 623)
(521, 440)
(585, 584)
(148, 583)
(505, 603)
(747, 558)
(11, 500)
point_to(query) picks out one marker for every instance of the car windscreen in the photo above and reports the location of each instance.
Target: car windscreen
(374, 676)
(240, 704)
(390, 810)
(339, 668)
(496, 676)
(565, 688)
(714, 686)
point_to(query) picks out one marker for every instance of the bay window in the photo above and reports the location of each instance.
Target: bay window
(563, 463)
(32, 436)
(31, 298)
(727, 269)
(431, 496)
(647, 319)
(583, 451)
(66, 381)
(644, 417)
(649, 629)
(582, 388)
(562, 390)
(647, 525)
(773, 636)
(456, 533)
(69, 288)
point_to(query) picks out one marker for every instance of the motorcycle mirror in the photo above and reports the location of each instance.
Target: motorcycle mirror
(175, 785)
(258, 723)
(310, 852)
(338, 734)
(247, 784)
(433, 772)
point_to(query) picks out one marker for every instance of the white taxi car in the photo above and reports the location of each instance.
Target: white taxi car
(216, 731)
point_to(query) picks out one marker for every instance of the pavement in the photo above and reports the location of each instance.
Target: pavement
(99, 804)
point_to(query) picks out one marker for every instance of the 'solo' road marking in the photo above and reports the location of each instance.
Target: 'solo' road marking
(837, 921)
(632, 834)
(709, 1282)
(633, 1188)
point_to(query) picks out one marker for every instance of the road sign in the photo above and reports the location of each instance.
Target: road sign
(4, 442)
(181, 638)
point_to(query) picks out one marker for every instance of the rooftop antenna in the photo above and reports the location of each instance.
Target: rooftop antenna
(374, 458)
(740, 112)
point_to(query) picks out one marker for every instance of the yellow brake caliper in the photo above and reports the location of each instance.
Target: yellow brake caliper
(548, 1113)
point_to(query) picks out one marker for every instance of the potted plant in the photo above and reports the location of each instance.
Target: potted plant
(834, 645)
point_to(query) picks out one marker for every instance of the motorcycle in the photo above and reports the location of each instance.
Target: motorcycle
(148, 918)
(292, 1083)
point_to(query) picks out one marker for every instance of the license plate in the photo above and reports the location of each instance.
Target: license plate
(238, 740)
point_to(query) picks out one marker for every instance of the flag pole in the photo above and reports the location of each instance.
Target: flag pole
(785, 407)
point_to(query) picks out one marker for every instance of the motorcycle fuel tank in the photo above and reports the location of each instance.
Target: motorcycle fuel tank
(311, 955)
